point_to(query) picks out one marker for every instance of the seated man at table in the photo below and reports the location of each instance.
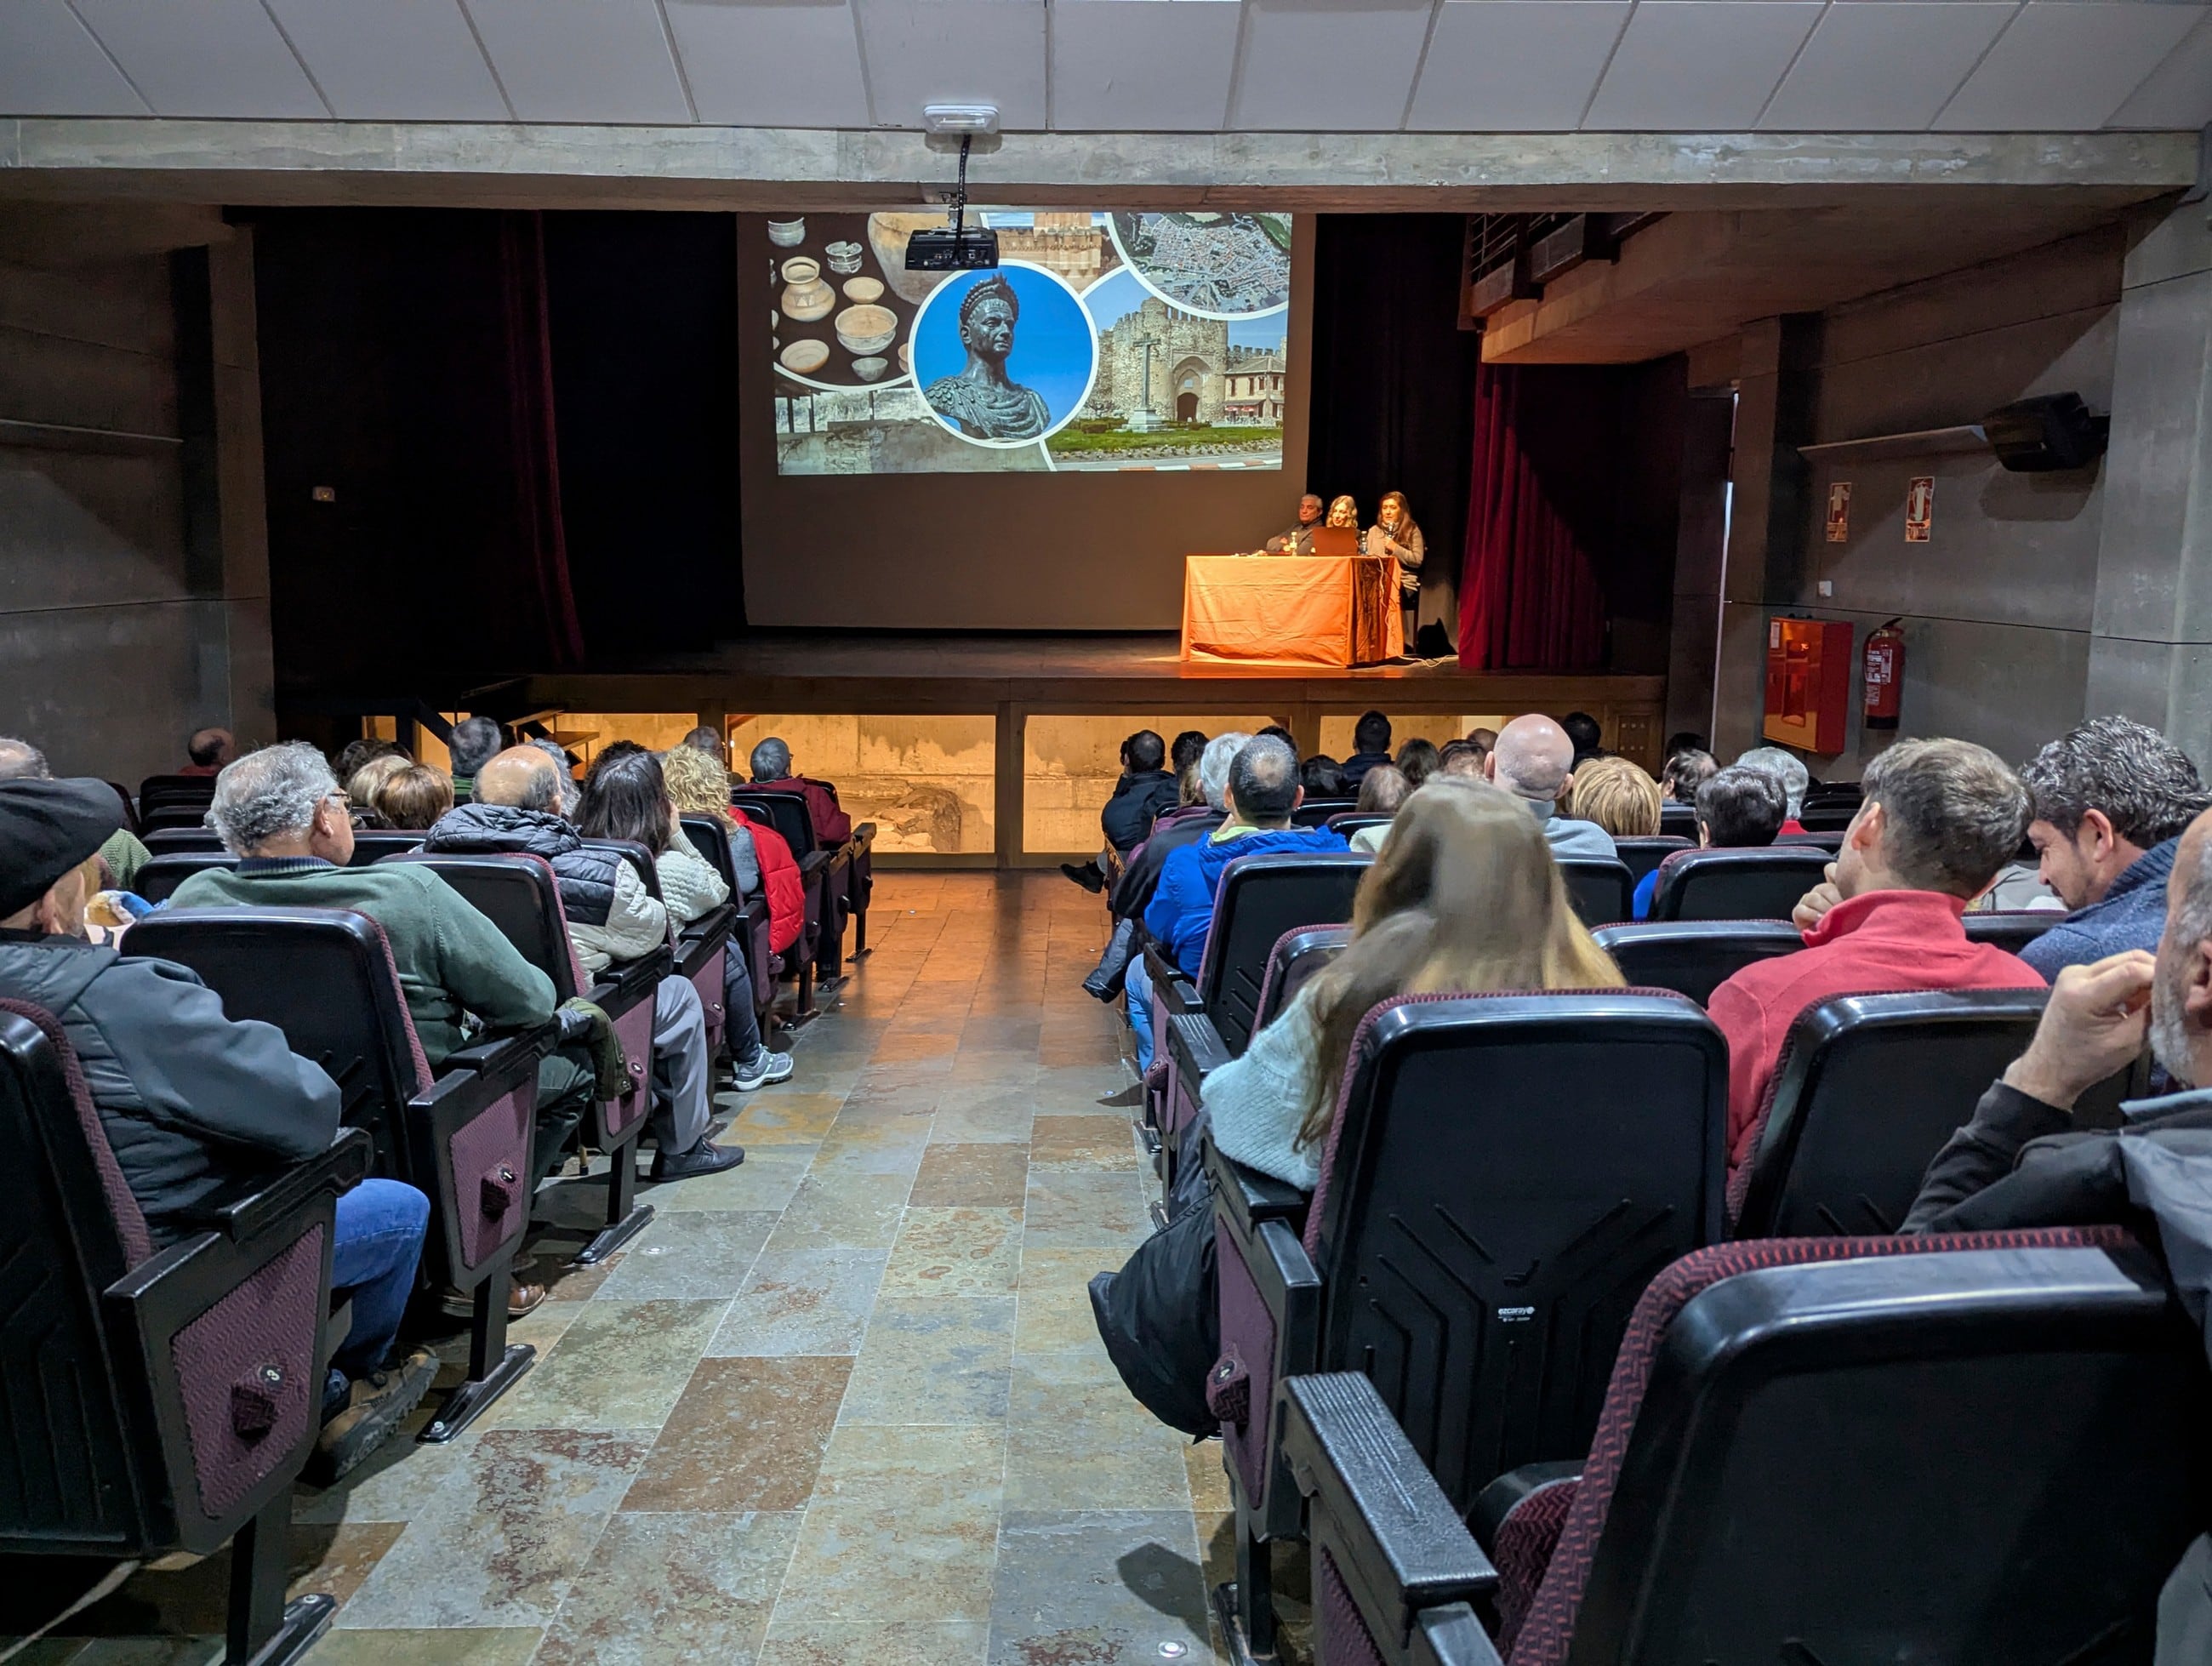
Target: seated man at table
(1298, 538)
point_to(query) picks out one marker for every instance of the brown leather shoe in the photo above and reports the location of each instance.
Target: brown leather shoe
(375, 1407)
(521, 1300)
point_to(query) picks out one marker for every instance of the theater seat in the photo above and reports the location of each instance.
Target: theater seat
(750, 933)
(1598, 889)
(1693, 957)
(1349, 822)
(461, 1137)
(1833, 1450)
(822, 875)
(1641, 853)
(373, 844)
(1493, 1200)
(175, 841)
(1322, 812)
(157, 1401)
(1680, 820)
(1760, 883)
(2010, 929)
(1291, 964)
(158, 878)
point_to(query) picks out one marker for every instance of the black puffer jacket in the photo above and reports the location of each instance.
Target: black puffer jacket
(611, 916)
(1136, 799)
(191, 1100)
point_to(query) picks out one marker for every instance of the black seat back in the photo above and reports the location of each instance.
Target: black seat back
(157, 880)
(1600, 891)
(784, 811)
(169, 792)
(1762, 883)
(1349, 822)
(1493, 1201)
(710, 842)
(172, 841)
(167, 817)
(2010, 929)
(639, 859)
(1260, 898)
(373, 844)
(1984, 1454)
(1831, 816)
(519, 895)
(1642, 852)
(1319, 813)
(1865, 1092)
(1693, 957)
(1831, 842)
(1678, 820)
(1297, 956)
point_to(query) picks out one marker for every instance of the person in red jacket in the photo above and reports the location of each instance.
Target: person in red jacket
(787, 893)
(1939, 818)
(771, 762)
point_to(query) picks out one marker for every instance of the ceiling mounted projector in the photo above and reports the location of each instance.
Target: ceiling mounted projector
(956, 247)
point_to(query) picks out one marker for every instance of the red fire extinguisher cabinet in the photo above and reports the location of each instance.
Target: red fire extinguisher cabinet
(1809, 682)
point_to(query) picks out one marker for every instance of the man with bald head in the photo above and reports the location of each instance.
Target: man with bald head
(1534, 760)
(207, 751)
(611, 917)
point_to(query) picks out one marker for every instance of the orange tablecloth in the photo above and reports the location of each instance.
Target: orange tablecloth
(1291, 610)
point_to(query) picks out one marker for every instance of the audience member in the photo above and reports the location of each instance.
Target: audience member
(1466, 897)
(1371, 748)
(1939, 818)
(1738, 808)
(357, 754)
(360, 787)
(2108, 801)
(1322, 776)
(1686, 771)
(1787, 768)
(1587, 736)
(279, 813)
(1485, 738)
(1616, 794)
(193, 1101)
(761, 860)
(1418, 760)
(1262, 794)
(1684, 740)
(1461, 757)
(1145, 789)
(1183, 754)
(207, 751)
(1383, 793)
(611, 917)
(474, 742)
(626, 797)
(772, 768)
(564, 771)
(123, 853)
(710, 740)
(1140, 876)
(1281, 734)
(1532, 761)
(413, 797)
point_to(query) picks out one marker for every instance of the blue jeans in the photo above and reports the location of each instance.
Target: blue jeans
(374, 1255)
(1137, 988)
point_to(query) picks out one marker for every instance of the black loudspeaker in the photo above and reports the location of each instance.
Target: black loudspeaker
(2054, 431)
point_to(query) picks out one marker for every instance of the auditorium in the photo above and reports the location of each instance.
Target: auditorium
(1100, 832)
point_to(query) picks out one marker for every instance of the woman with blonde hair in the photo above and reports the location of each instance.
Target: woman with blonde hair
(360, 789)
(698, 785)
(1617, 795)
(1344, 511)
(412, 797)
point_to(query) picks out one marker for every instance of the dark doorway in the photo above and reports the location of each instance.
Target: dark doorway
(1186, 407)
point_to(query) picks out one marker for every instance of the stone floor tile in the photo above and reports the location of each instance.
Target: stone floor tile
(1097, 1586)
(1053, 1306)
(1209, 1482)
(890, 1643)
(955, 1252)
(788, 1118)
(563, 1280)
(973, 1115)
(192, 1598)
(690, 1253)
(499, 1541)
(984, 1175)
(1082, 1210)
(932, 1361)
(1074, 1433)
(860, 1211)
(884, 1146)
(765, 1179)
(666, 1589)
(621, 1365)
(871, 1561)
(512, 1645)
(954, 1465)
(747, 1435)
(803, 1301)
(1103, 1140)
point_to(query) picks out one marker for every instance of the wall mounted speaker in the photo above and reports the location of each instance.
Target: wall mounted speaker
(2040, 436)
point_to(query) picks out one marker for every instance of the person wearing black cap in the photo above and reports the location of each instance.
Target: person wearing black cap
(191, 1100)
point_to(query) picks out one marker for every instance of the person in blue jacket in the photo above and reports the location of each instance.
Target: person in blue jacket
(1262, 793)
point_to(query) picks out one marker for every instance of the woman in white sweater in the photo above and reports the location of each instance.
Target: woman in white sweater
(1465, 896)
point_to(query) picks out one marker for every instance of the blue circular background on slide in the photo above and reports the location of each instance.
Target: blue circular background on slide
(1055, 347)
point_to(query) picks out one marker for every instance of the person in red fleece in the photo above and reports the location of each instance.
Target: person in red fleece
(771, 762)
(1939, 818)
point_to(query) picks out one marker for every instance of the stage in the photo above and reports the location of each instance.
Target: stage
(980, 750)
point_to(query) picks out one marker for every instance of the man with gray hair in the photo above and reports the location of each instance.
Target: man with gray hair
(1787, 768)
(1939, 818)
(771, 761)
(1534, 760)
(1262, 794)
(474, 741)
(2108, 800)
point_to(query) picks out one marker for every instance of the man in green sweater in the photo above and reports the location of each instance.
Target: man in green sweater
(280, 812)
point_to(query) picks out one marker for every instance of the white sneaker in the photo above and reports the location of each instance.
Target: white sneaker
(764, 1066)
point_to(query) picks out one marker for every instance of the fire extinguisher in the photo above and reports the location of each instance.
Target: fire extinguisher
(1884, 675)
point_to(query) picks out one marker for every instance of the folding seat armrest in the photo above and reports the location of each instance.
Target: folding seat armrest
(1178, 992)
(495, 1054)
(243, 1212)
(1197, 1046)
(1250, 1197)
(621, 986)
(1398, 1544)
(812, 863)
(863, 836)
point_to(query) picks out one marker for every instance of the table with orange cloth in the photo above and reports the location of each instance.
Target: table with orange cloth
(1291, 610)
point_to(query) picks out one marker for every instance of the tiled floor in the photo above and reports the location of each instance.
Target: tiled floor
(842, 1406)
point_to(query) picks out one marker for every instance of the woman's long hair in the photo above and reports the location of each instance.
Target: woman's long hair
(625, 797)
(1407, 526)
(698, 782)
(1351, 511)
(1464, 897)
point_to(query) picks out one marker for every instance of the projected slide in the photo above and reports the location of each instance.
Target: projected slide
(1103, 342)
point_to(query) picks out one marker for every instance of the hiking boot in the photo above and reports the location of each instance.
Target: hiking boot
(705, 1157)
(764, 1066)
(372, 1414)
(1087, 874)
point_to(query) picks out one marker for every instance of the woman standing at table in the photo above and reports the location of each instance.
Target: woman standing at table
(1396, 533)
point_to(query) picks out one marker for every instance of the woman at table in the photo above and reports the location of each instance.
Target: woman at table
(1345, 513)
(1395, 534)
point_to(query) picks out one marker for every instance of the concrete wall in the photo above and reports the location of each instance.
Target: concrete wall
(1997, 606)
(133, 570)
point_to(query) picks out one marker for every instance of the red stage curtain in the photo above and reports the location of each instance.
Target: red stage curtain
(1529, 592)
(540, 547)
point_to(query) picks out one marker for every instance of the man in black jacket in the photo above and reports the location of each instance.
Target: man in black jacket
(1145, 789)
(193, 1102)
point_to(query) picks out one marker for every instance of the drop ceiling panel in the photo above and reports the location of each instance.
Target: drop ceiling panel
(582, 60)
(1874, 67)
(204, 58)
(2178, 95)
(1514, 66)
(954, 51)
(1147, 66)
(49, 66)
(2064, 66)
(1699, 66)
(393, 60)
(1312, 67)
(787, 64)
